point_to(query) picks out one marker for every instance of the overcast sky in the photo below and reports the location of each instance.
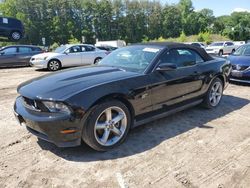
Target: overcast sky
(220, 7)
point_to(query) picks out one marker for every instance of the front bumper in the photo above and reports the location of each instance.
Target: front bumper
(49, 126)
(213, 52)
(39, 63)
(240, 76)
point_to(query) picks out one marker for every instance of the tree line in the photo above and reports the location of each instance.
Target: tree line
(62, 21)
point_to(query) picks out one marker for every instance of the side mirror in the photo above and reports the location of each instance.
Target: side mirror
(166, 67)
(66, 53)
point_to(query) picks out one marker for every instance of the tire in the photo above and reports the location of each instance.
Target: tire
(15, 36)
(220, 53)
(54, 65)
(213, 96)
(97, 60)
(102, 135)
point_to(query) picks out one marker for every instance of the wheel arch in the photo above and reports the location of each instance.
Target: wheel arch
(120, 97)
(221, 77)
(54, 59)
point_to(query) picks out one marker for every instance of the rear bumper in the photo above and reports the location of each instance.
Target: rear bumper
(49, 126)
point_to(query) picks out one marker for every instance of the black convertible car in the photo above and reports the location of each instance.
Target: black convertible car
(131, 86)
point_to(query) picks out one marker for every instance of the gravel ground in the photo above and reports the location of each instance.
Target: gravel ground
(193, 148)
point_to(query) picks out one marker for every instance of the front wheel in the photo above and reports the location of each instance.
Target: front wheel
(107, 125)
(54, 65)
(214, 94)
(220, 53)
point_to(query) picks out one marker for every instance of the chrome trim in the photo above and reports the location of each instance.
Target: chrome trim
(30, 106)
(238, 80)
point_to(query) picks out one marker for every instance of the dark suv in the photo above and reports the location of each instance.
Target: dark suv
(18, 55)
(11, 28)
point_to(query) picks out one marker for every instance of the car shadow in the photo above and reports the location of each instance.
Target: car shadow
(150, 135)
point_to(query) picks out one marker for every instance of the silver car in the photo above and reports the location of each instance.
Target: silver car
(67, 56)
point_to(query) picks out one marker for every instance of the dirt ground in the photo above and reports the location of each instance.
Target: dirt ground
(193, 148)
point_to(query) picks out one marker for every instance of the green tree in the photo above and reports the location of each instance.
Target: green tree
(172, 22)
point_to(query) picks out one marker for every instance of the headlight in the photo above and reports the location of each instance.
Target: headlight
(57, 107)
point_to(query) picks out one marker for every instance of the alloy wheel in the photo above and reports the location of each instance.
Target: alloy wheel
(16, 35)
(110, 126)
(215, 94)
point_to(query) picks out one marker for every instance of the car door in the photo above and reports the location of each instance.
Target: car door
(72, 56)
(229, 46)
(24, 54)
(88, 54)
(179, 84)
(8, 56)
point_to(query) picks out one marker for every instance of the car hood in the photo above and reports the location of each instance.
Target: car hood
(48, 54)
(63, 84)
(240, 60)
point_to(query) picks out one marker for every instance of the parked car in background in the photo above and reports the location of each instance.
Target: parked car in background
(107, 48)
(131, 86)
(221, 48)
(197, 44)
(239, 43)
(11, 28)
(18, 55)
(67, 56)
(113, 43)
(240, 61)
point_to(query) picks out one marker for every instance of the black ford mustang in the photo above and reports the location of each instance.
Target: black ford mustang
(131, 86)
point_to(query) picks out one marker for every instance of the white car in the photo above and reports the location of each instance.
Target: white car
(67, 56)
(221, 48)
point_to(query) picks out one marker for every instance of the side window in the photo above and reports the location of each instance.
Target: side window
(11, 50)
(182, 57)
(75, 49)
(89, 48)
(229, 44)
(247, 50)
(83, 48)
(24, 50)
(36, 49)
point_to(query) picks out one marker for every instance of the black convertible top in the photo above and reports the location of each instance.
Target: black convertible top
(172, 45)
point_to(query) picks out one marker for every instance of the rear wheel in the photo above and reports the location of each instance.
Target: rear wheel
(97, 60)
(214, 94)
(15, 36)
(54, 65)
(107, 125)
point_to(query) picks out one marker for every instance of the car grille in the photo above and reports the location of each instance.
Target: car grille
(34, 105)
(239, 67)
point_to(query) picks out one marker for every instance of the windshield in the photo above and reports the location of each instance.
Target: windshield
(217, 44)
(60, 49)
(132, 58)
(243, 50)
